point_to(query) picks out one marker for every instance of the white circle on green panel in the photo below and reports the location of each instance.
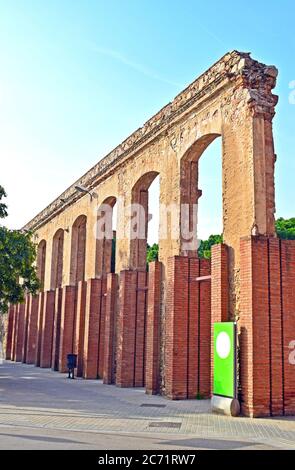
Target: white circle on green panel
(223, 345)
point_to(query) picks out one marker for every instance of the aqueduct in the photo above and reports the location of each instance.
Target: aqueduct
(137, 328)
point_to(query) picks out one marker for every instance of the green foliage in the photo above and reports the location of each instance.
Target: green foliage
(204, 250)
(285, 228)
(3, 207)
(152, 253)
(17, 270)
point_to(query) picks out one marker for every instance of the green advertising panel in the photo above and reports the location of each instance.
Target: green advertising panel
(225, 359)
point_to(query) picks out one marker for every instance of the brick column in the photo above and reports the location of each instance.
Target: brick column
(219, 292)
(14, 332)
(80, 326)
(67, 325)
(267, 326)
(254, 329)
(176, 328)
(101, 336)
(110, 317)
(140, 329)
(47, 329)
(20, 332)
(92, 328)
(126, 329)
(219, 283)
(275, 327)
(199, 329)
(39, 327)
(26, 326)
(32, 337)
(56, 328)
(9, 332)
(288, 325)
(188, 321)
(153, 326)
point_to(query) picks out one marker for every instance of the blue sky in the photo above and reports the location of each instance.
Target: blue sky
(77, 77)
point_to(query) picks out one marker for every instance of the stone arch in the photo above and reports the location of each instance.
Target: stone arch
(78, 250)
(190, 192)
(105, 238)
(41, 261)
(57, 259)
(139, 220)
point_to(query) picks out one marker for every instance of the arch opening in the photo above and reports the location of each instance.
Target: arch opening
(140, 219)
(201, 193)
(78, 250)
(105, 258)
(57, 259)
(41, 261)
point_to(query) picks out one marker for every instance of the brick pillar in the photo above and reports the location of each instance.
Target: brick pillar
(140, 329)
(20, 332)
(288, 323)
(26, 327)
(126, 329)
(67, 325)
(80, 326)
(9, 332)
(14, 332)
(219, 283)
(188, 322)
(92, 328)
(47, 329)
(32, 336)
(39, 327)
(176, 328)
(110, 318)
(267, 326)
(254, 328)
(56, 328)
(219, 291)
(275, 327)
(101, 335)
(153, 325)
(199, 384)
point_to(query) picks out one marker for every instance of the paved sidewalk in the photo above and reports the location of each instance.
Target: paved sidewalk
(41, 409)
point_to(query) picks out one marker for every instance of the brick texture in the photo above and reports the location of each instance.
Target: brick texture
(94, 328)
(56, 328)
(188, 325)
(9, 334)
(67, 325)
(153, 329)
(267, 326)
(32, 336)
(20, 332)
(80, 326)
(47, 329)
(39, 327)
(131, 344)
(109, 332)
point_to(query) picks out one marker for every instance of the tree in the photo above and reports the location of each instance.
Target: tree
(17, 270)
(152, 253)
(285, 228)
(204, 250)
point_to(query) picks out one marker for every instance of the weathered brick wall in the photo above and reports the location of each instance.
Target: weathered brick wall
(130, 356)
(188, 329)
(267, 326)
(93, 359)
(153, 329)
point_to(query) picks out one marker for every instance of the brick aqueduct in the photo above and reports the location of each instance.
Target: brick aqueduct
(153, 329)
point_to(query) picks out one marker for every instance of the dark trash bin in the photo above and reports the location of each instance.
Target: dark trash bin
(72, 363)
